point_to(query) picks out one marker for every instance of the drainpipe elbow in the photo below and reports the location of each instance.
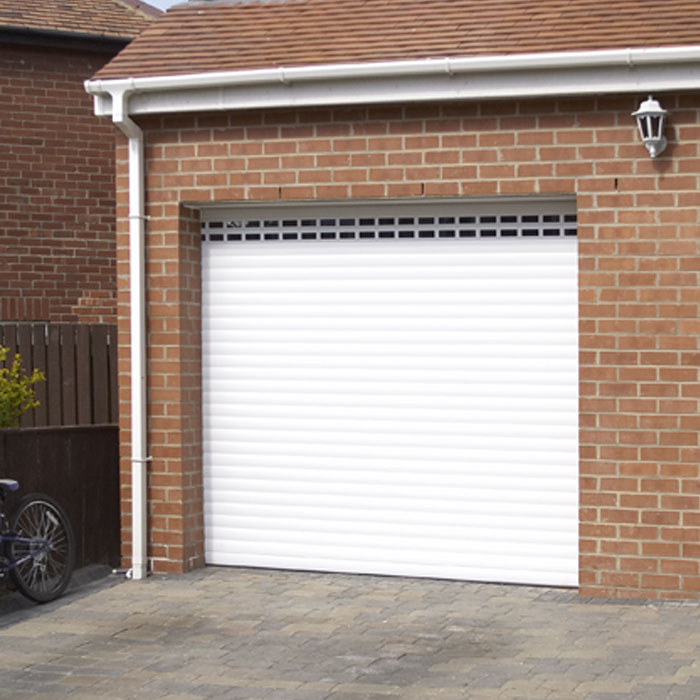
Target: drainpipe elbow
(120, 112)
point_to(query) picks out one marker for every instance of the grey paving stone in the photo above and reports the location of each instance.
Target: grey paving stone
(251, 634)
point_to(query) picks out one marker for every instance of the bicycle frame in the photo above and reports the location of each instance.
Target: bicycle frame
(38, 547)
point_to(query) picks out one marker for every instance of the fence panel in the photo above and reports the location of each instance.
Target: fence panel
(100, 373)
(68, 372)
(80, 365)
(54, 370)
(79, 466)
(83, 383)
(41, 413)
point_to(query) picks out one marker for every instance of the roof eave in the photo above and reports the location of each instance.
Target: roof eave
(60, 39)
(572, 73)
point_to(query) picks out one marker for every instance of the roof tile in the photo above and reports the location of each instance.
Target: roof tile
(230, 35)
(108, 18)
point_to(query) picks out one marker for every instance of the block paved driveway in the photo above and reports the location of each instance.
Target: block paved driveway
(237, 633)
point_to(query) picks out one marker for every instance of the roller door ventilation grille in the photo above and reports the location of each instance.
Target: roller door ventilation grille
(391, 227)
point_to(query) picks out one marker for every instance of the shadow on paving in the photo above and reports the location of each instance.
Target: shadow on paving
(14, 607)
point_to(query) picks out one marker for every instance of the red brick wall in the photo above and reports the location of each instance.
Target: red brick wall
(56, 189)
(639, 265)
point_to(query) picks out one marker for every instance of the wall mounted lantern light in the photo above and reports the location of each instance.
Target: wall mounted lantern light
(650, 120)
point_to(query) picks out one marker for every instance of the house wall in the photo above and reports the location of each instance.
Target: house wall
(56, 189)
(638, 277)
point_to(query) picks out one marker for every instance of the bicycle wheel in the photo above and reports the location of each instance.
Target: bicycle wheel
(50, 558)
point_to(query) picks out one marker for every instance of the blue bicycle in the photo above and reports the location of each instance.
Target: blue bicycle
(37, 545)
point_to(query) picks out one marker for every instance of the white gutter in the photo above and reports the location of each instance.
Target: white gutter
(137, 226)
(430, 66)
(479, 77)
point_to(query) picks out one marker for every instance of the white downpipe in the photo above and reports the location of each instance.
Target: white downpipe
(139, 438)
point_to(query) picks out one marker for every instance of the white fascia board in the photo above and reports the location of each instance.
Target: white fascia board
(489, 77)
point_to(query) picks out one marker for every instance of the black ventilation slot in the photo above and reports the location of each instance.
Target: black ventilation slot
(486, 226)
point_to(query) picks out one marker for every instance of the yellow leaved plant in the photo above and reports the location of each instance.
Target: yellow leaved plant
(17, 393)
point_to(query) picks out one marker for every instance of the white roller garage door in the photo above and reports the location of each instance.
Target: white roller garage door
(392, 389)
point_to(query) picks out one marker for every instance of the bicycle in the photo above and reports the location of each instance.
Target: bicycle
(37, 545)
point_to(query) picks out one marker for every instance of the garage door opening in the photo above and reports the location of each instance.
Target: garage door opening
(393, 389)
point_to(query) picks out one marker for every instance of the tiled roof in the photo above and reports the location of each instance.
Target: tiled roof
(227, 35)
(108, 18)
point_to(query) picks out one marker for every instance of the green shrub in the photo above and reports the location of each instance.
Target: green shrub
(16, 390)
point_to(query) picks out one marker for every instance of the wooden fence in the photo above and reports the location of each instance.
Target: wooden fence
(79, 467)
(80, 364)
